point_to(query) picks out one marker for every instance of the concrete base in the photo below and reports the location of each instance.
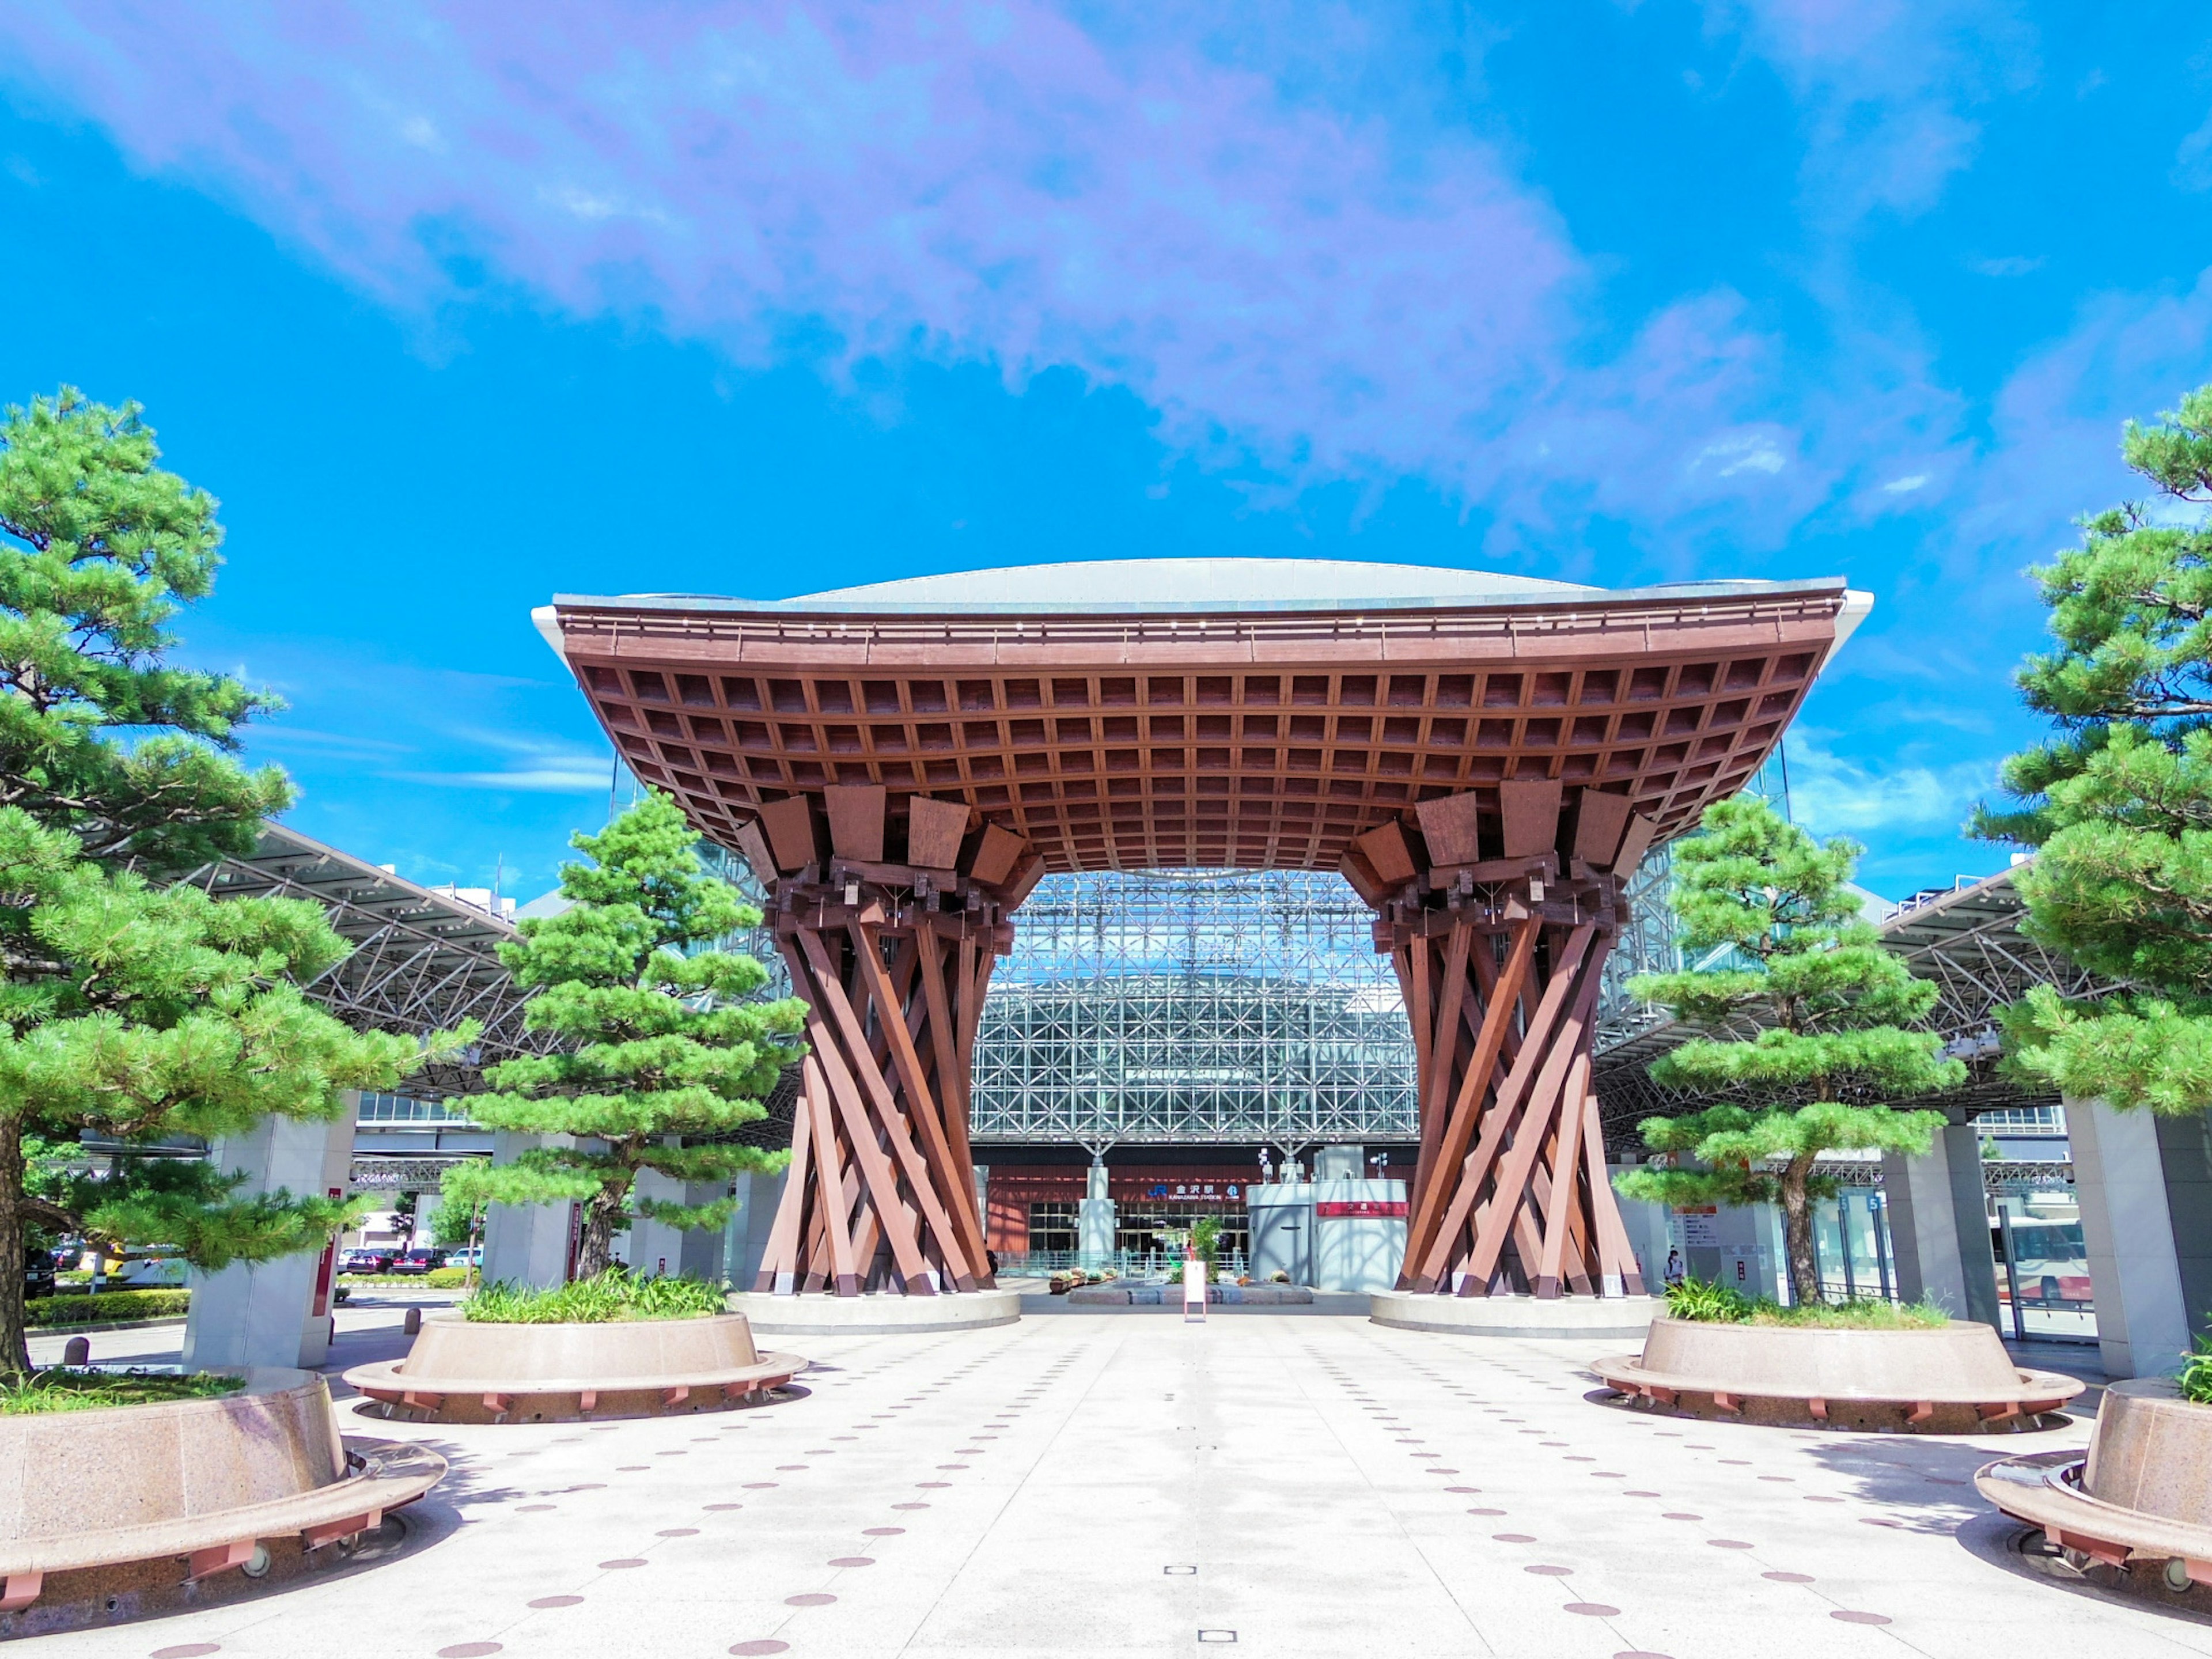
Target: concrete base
(875, 1315)
(1568, 1316)
(112, 1511)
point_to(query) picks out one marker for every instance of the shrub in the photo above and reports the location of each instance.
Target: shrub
(614, 1295)
(108, 1306)
(1703, 1302)
(446, 1278)
(69, 1390)
(1708, 1303)
(2195, 1377)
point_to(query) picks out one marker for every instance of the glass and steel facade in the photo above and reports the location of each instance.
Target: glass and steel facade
(1222, 1006)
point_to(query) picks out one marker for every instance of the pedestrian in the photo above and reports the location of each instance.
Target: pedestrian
(1674, 1267)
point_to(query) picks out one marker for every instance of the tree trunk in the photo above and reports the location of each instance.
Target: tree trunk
(14, 1345)
(595, 1245)
(1797, 1233)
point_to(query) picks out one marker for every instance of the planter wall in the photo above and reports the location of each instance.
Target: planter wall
(1954, 1379)
(463, 1372)
(2143, 1493)
(151, 1500)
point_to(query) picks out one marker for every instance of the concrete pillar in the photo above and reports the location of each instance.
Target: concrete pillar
(745, 1241)
(2144, 1184)
(1650, 1236)
(273, 1313)
(526, 1244)
(1095, 1220)
(654, 1247)
(1939, 1226)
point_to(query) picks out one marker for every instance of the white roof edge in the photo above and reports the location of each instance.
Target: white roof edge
(1676, 593)
(1857, 603)
(546, 619)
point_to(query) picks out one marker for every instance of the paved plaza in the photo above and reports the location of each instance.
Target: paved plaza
(1134, 1485)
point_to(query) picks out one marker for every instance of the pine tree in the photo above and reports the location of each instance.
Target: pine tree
(101, 550)
(2119, 801)
(129, 1011)
(661, 1052)
(1832, 1051)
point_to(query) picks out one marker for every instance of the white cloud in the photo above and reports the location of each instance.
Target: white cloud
(1905, 486)
(1749, 452)
(1835, 795)
(575, 779)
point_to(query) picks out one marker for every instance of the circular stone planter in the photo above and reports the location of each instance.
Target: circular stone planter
(1955, 1379)
(461, 1372)
(1607, 1318)
(2142, 1493)
(875, 1315)
(131, 1509)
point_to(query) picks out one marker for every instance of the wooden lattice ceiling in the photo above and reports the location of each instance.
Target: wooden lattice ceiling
(1248, 738)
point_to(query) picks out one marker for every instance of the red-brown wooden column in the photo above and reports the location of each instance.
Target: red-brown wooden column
(893, 956)
(1498, 920)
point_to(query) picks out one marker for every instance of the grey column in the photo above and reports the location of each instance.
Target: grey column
(1095, 1218)
(745, 1241)
(264, 1313)
(1939, 1225)
(526, 1244)
(2145, 1187)
(686, 1251)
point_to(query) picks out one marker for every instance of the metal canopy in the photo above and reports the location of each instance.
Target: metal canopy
(422, 961)
(1966, 940)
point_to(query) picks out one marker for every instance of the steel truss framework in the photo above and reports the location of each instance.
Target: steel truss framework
(1230, 1007)
(1966, 940)
(422, 962)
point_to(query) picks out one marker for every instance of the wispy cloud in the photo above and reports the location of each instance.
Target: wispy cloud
(1888, 90)
(1838, 796)
(1285, 279)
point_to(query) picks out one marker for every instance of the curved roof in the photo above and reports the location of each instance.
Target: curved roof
(1188, 581)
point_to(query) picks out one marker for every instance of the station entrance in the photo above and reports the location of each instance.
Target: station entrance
(1485, 760)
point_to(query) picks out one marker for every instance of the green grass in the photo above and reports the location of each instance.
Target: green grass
(67, 1389)
(1702, 1302)
(108, 1306)
(615, 1295)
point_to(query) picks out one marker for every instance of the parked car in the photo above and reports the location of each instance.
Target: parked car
(423, 1261)
(38, 1273)
(367, 1262)
(468, 1256)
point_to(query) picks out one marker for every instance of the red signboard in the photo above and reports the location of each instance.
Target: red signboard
(1333, 1208)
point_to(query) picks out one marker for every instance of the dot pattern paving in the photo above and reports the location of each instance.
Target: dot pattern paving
(1021, 1491)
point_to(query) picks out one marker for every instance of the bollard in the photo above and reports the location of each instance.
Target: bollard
(413, 1324)
(77, 1351)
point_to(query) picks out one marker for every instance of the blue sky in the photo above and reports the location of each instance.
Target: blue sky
(454, 308)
